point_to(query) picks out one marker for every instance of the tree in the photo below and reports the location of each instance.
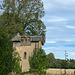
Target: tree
(51, 60)
(58, 63)
(38, 61)
(51, 56)
(17, 69)
(7, 55)
(24, 16)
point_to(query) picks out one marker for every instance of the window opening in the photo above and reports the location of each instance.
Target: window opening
(25, 55)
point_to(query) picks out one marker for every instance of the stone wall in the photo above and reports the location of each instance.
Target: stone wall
(29, 51)
(61, 71)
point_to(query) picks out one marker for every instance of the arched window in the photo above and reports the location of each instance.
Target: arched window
(25, 55)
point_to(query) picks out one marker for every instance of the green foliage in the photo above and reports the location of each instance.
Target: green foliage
(17, 69)
(8, 58)
(23, 16)
(5, 54)
(38, 61)
(71, 64)
(51, 60)
(51, 56)
(11, 26)
(58, 63)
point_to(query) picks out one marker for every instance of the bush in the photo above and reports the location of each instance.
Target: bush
(38, 61)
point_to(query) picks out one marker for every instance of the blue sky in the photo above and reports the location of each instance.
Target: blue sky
(60, 27)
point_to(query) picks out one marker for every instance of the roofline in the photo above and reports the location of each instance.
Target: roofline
(35, 36)
(16, 41)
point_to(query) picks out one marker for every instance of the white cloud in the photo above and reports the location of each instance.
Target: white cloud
(57, 19)
(48, 4)
(49, 28)
(48, 48)
(65, 2)
(71, 27)
(54, 19)
(72, 53)
(51, 42)
(53, 4)
(69, 40)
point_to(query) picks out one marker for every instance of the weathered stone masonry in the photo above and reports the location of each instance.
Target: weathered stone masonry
(25, 45)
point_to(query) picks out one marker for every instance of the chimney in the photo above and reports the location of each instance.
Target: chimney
(18, 34)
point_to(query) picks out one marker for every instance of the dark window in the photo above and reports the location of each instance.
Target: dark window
(26, 41)
(25, 55)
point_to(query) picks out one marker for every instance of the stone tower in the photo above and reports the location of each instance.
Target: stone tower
(25, 45)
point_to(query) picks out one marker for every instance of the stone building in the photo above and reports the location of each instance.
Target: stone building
(25, 45)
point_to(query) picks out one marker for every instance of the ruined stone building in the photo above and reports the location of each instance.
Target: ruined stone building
(25, 45)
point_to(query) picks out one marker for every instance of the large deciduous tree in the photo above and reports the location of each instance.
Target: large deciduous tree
(23, 16)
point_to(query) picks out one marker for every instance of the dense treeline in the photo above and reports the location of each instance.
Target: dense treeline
(58, 63)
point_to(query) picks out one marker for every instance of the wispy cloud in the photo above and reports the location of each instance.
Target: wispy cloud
(56, 4)
(71, 27)
(51, 42)
(54, 19)
(65, 2)
(72, 53)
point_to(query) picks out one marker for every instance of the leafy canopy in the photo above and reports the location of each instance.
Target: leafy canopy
(23, 16)
(38, 61)
(8, 57)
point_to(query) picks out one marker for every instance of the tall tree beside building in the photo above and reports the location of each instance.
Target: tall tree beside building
(23, 16)
(8, 58)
